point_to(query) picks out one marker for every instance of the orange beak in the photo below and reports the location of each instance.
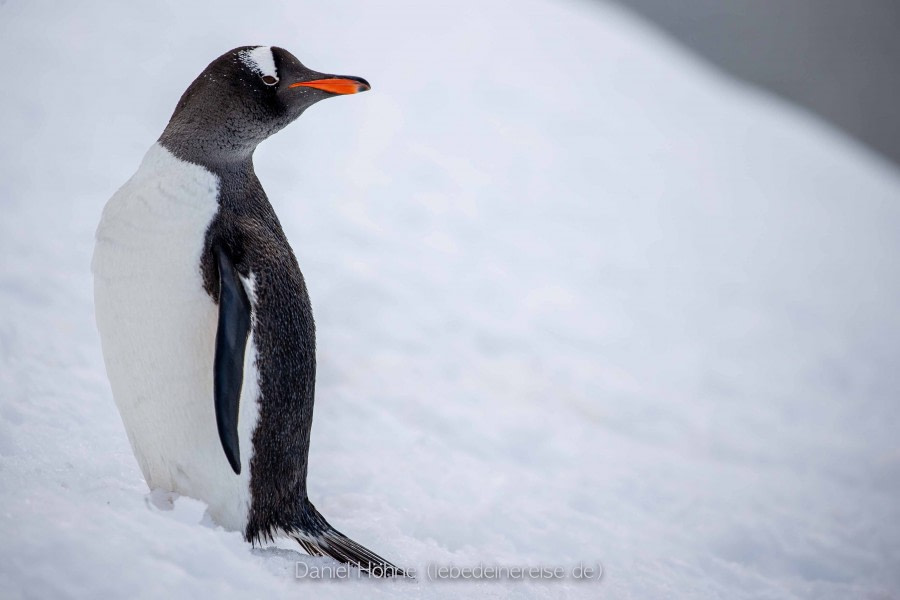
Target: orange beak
(335, 85)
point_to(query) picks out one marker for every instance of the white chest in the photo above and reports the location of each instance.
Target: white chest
(157, 326)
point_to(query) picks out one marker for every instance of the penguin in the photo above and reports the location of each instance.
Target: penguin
(205, 322)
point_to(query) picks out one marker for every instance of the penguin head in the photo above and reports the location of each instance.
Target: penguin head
(245, 96)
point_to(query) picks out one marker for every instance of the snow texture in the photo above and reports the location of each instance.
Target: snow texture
(578, 298)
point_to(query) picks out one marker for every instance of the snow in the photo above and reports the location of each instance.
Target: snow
(579, 299)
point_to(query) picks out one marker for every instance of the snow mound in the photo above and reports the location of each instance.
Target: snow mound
(579, 299)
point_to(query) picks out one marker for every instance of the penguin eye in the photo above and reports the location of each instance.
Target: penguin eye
(269, 80)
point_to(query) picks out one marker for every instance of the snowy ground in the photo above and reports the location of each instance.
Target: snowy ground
(579, 299)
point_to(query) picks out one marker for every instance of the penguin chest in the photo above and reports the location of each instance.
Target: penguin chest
(157, 326)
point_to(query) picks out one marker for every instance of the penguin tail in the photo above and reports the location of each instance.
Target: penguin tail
(319, 538)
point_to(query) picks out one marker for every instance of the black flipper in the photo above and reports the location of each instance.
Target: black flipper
(319, 538)
(231, 342)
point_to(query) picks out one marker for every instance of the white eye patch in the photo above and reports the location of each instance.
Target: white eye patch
(261, 61)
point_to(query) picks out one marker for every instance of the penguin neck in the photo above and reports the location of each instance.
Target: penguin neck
(216, 153)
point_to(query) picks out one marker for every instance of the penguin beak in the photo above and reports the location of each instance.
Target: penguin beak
(336, 85)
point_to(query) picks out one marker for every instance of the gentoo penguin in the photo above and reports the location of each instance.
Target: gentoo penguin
(204, 318)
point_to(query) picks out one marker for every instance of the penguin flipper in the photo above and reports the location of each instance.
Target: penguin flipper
(231, 342)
